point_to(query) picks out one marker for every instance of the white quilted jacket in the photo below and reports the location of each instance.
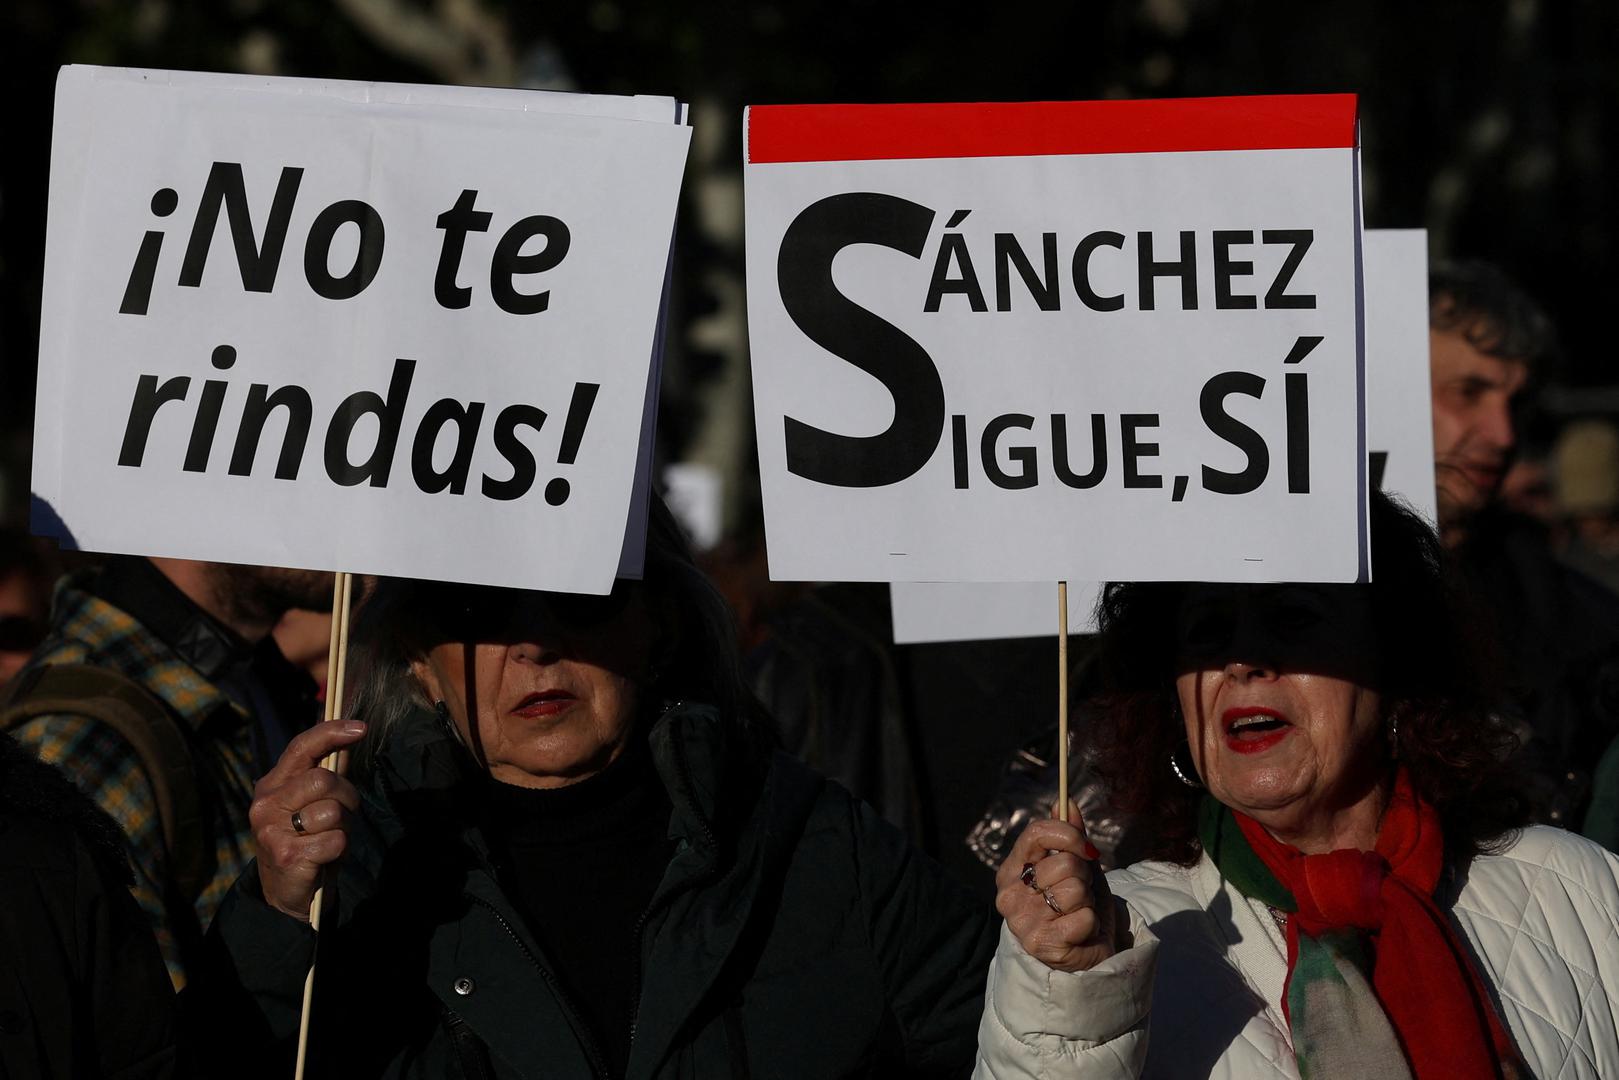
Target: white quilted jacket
(1208, 965)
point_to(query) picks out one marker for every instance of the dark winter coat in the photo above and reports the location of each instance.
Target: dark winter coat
(1559, 633)
(795, 934)
(83, 990)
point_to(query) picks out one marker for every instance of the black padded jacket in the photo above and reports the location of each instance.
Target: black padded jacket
(794, 934)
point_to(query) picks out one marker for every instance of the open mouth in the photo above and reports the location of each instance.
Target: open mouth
(1252, 729)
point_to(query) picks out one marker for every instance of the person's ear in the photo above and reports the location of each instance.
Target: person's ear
(432, 683)
(427, 677)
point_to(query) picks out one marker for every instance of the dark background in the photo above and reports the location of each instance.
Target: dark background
(1489, 122)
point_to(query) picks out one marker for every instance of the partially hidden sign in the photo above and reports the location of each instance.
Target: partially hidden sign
(1399, 437)
(1399, 387)
(1085, 341)
(391, 329)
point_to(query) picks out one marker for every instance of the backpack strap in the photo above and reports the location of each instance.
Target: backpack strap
(151, 730)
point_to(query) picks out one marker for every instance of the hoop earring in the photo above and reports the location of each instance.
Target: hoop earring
(1394, 736)
(1185, 776)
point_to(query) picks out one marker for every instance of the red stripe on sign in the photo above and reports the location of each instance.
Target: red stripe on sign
(783, 133)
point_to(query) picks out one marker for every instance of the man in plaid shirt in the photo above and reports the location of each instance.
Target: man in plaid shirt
(197, 637)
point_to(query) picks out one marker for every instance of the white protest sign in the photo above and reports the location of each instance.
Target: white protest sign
(1399, 434)
(391, 329)
(926, 611)
(1089, 340)
(1399, 389)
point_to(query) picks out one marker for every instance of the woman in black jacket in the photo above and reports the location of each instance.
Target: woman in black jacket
(572, 852)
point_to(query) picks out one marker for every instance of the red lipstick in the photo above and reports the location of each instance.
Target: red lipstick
(1251, 729)
(544, 703)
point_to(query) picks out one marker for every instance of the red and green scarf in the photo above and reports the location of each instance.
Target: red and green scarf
(1378, 983)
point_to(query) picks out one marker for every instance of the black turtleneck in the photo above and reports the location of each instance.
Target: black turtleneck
(581, 863)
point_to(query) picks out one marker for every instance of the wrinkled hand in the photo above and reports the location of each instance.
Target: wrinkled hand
(290, 862)
(1060, 910)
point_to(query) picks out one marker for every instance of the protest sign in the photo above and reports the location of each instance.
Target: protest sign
(1399, 433)
(926, 611)
(1399, 389)
(396, 329)
(1065, 340)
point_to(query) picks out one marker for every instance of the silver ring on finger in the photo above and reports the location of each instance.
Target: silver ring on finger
(299, 828)
(1051, 901)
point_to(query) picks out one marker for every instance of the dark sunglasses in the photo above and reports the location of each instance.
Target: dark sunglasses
(491, 613)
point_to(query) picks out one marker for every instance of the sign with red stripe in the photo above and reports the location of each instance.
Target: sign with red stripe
(1059, 340)
(789, 133)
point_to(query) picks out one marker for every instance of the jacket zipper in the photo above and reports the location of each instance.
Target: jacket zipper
(598, 1063)
(469, 1049)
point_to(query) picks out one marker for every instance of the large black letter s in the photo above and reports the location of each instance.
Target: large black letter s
(847, 330)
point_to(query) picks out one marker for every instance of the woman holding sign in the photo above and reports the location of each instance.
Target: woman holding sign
(570, 849)
(1339, 886)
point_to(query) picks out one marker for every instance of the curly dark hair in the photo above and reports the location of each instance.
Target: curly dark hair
(1432, 679)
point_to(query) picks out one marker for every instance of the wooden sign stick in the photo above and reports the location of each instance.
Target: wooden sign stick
(1062, 701)
(337, 761)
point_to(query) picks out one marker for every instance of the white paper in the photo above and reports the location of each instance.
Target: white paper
(607, 168)
(1075, 362)
(1399, 390)
(927, 611)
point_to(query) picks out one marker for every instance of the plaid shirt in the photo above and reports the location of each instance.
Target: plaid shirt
(88, 630)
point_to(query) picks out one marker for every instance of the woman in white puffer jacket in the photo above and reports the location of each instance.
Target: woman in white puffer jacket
(1339, 885)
